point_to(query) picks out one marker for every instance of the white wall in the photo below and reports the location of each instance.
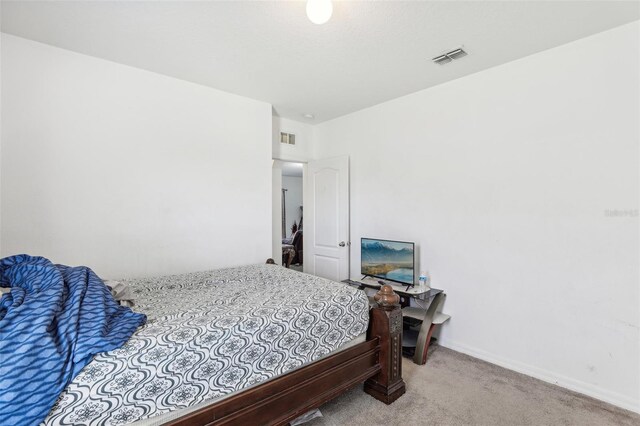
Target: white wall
(293, 200)
(504, 178)
(127, 171)
(0, 125)
(301, 151)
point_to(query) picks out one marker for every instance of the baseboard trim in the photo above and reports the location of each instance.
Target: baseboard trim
(614, 398)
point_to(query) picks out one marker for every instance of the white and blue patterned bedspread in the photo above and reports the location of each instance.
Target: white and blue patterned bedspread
(52, 322)
(209, 334)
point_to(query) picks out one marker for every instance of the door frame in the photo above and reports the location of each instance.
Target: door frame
(276, 208)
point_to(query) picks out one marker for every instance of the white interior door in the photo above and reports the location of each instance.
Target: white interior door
(326, 227)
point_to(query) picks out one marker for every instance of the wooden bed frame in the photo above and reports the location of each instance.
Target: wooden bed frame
(377, 362)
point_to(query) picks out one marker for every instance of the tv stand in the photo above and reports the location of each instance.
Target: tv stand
(420, 320)
(410, 292)
(383, 282)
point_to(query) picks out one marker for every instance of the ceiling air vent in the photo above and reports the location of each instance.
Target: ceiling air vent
(288, 138)
(445, 58)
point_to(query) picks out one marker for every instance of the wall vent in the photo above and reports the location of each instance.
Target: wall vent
(445, 58)
(288, 138)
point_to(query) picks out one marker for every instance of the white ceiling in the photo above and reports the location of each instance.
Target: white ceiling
(369, 52)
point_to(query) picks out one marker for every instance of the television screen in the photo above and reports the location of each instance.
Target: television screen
(389, 260)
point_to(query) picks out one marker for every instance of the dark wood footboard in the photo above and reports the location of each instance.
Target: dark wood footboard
(385, 323)
(377, 362)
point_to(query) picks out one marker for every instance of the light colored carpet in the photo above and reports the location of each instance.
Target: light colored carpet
(456, 389)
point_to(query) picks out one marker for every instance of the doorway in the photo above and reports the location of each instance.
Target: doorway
(288, 231)
(324, 250)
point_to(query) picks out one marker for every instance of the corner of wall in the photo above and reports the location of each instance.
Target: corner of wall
(276, 211)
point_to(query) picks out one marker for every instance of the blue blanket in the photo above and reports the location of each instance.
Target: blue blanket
(51, 324)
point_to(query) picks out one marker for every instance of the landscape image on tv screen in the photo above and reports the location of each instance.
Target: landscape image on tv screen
(391, 260)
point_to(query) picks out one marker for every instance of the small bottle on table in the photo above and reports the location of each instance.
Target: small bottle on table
(424, 281)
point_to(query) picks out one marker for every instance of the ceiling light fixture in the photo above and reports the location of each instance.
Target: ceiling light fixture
(310, 116)
(319, 11)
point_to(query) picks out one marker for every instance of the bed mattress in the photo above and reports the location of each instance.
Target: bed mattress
(210, 334)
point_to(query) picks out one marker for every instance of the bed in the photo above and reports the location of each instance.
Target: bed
(258, 344)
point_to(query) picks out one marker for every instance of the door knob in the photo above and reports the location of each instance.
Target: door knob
(342, 244)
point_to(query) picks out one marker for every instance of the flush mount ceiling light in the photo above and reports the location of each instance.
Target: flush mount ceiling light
(319, 11)
(309, 116)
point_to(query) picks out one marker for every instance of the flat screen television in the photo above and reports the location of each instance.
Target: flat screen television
(388, 260)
